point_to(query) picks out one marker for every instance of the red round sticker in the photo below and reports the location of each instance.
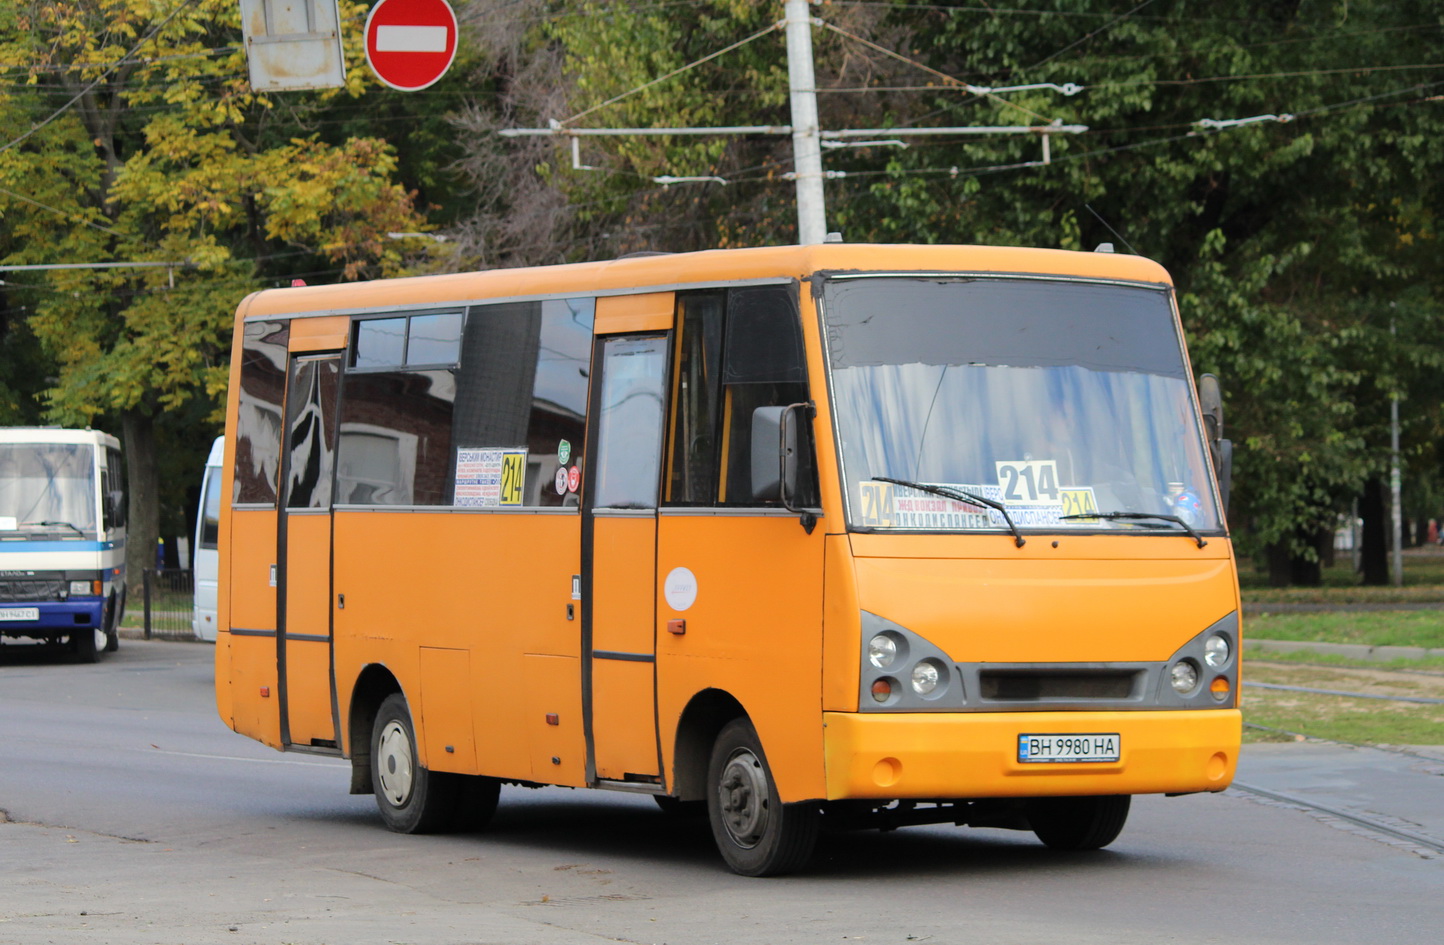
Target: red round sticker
(574, 478)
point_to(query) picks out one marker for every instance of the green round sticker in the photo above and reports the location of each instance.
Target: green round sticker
(564, 452)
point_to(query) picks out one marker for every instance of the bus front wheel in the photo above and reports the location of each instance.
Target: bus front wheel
(411, 798)
(1078, 823)
(756, 833)
(83, 645)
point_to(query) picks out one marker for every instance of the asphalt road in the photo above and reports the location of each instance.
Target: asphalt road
(135, 816)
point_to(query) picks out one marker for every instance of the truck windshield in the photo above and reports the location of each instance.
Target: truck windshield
(1054, 398)
(48, 487)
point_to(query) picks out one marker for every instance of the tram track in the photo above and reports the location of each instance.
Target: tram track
(1361, 794)
(1423, 841)
(1420, 700)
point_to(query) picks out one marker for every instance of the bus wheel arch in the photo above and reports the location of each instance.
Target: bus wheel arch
(702, 721)
(372, 687)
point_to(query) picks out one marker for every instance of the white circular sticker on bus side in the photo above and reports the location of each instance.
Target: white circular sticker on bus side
(680, 589)
(561, 480)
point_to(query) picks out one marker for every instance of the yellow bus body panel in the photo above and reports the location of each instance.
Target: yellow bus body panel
(319, 334)
(947, 755)
(494, 586)
(754, 632)
(651, 311)
(1093, 597)
(308, 615)
(624, 612)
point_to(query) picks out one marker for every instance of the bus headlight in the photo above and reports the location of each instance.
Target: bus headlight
(882, 650)
(926, 677)
(1184, 677)
(84, 589)
(1216, 651)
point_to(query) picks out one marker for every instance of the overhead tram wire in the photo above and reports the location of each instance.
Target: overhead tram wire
(1105, 27)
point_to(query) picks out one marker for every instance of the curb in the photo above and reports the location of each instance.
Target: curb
(1357, 651)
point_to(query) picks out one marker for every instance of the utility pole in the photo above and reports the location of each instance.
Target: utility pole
(806, 135)
(1396, 512)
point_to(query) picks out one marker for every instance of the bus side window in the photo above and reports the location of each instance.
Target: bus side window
(762, 366)
(735, 351)
(116, 496)
(395, 444)
(522, 387)
(258, 413)
(697, 392)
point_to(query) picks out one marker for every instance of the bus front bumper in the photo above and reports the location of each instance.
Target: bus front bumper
(53, 618)
(975, 755)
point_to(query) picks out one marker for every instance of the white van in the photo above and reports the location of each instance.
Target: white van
(207, 554)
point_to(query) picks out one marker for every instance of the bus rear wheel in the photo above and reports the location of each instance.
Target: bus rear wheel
(411, 798)
(1078, 823)
(756, 833)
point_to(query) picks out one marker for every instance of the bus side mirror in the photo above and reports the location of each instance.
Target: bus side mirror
(774, 454)
(1210, 403)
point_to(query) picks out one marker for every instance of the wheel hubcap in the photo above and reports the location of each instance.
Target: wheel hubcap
(393, 763)
(742, 793)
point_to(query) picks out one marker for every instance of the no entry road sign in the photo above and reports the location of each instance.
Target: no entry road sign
(410, 43)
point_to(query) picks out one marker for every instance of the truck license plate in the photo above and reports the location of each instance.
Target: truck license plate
(1034, 748)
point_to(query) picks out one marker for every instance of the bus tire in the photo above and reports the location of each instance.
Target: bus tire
(411, 798)
(756, 833)
(112, 626)
(82, 645)
(1078, 823)
(475, 803)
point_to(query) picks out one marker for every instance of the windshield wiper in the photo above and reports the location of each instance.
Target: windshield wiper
(959, 495)
(1136, 516)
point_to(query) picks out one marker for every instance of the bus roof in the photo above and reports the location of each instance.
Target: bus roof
(669, 271)
(55, 435)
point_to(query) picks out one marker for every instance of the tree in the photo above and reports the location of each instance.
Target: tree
(130, 135)
(1277, 158)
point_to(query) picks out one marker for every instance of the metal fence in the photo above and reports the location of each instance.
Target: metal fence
(170, 596)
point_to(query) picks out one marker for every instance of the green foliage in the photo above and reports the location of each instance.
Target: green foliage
(167, 156)
(1297, 241)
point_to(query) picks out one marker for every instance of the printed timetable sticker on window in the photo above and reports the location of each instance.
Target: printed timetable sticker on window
(1029, 489)
(490, 478)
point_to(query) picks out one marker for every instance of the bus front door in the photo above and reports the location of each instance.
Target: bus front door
(619, 536)
(304, 633)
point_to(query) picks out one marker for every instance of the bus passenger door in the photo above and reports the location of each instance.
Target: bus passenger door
(304, 570)
(619, 540)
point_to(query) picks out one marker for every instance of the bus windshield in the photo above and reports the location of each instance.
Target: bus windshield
(48, 487)
(1063, 401)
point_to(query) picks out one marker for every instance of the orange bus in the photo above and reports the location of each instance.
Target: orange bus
(823, 536)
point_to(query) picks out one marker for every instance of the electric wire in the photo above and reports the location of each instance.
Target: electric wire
(123, 60)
